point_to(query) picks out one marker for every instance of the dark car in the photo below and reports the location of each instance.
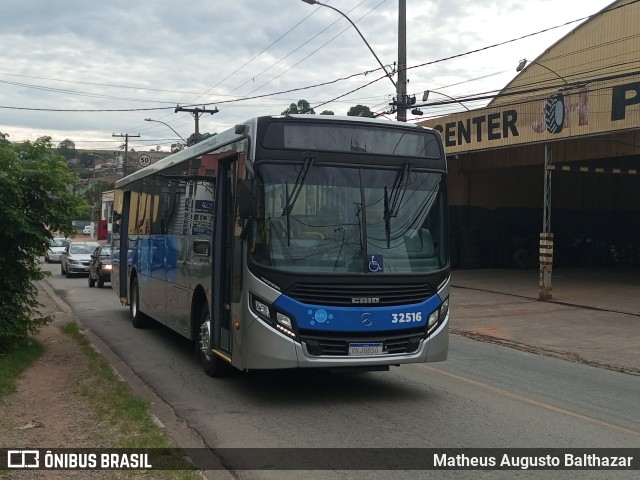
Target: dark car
(100, 266)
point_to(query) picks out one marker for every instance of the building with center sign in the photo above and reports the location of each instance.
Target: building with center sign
(549, 170)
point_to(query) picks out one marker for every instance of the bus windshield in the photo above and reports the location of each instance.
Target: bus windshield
(350, 219)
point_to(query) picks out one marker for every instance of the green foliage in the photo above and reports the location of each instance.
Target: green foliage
(34, 202)
(360, 111)
(86, 159)
(93, 193)
(193, 138)
(302, 107)
(176, 147)
(327, 112)
(15, 362)
(67, 148)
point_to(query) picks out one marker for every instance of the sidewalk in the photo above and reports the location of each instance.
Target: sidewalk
(594, 316)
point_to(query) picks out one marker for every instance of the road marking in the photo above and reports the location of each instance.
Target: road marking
(531, 401)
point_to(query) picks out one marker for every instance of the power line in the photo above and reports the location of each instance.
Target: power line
(323, 83)
(316, 50)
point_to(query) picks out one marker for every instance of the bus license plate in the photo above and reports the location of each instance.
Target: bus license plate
(365, 349)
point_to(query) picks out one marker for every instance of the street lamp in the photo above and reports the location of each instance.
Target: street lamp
(158, 121)
(384, 69)
(524, 61)
(425, 97)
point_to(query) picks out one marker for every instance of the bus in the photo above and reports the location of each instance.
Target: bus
(295, 241)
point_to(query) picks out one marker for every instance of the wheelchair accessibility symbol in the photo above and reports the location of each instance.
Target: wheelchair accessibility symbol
(376, 264)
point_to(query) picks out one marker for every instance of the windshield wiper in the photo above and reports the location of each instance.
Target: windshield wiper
(393, 200)
(297, 188)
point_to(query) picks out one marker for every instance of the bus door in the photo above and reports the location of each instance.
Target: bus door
(223, 230)
(120, 243)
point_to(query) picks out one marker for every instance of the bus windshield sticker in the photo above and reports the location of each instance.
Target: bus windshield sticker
(376, 263)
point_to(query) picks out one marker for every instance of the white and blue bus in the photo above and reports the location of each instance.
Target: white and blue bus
(296, 241)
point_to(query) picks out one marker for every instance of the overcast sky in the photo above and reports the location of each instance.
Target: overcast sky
(143, 58)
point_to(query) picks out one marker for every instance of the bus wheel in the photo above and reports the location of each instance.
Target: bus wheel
(138, 319)
(213, 365)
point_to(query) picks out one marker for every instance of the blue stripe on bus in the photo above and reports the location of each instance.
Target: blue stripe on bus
(358, 319)
(155, 256)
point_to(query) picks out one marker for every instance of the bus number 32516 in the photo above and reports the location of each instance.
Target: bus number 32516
(407, 317)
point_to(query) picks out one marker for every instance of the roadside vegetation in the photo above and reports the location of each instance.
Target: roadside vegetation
(13, 363)
(34, 203)
(128, 417)
(37, 202)
(122, 420)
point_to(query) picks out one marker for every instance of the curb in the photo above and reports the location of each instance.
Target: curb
(562, 355)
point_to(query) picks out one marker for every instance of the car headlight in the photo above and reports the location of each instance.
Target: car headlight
(278, 320)
(106, 266)
(71, 260)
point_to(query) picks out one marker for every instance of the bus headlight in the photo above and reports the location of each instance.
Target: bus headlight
(260, 308)
(444, 308)
(438, 316)
(284, 320)
(433, 320)
(281, 322)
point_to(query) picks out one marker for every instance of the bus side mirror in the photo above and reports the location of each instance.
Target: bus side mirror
(245, 198)
(115, 225)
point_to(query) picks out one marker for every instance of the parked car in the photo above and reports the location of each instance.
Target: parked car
(77, 257)
(56, 249)
(86, 230)
(100, 266)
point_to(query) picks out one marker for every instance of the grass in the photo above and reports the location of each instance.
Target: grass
(14, 362)
(126, 418)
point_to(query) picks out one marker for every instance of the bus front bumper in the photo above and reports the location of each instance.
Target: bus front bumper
(266, 348)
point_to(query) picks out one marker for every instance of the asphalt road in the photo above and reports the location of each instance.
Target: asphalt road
(484, 396)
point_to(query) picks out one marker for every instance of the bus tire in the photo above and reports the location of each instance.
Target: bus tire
(212, 365)
(138, 319)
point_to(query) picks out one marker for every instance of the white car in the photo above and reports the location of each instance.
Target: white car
(87, 230)
(56, 249)
(77, 257)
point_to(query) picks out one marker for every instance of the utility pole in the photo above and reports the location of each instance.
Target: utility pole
(402, 101)
(197, 112)
(401, 86)
(126, 137)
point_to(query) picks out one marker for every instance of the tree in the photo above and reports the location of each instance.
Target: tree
(87, 160)
(327, 112)
(176, 147)
(301, 107)
(67, 149)
(93, 194)
(34, 202)
(360, 111)
(193, 138)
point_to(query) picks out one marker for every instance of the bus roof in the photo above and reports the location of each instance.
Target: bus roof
(240, 131)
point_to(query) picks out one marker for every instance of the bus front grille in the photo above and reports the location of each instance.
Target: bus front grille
(358, 295)
(333, 346)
